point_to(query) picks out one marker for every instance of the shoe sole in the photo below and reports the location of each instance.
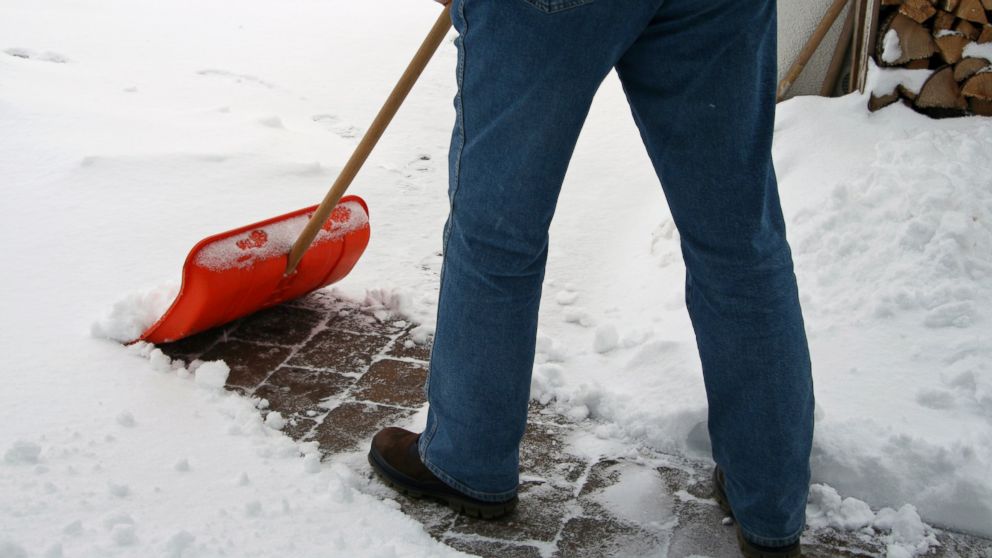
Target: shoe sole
(479, 510)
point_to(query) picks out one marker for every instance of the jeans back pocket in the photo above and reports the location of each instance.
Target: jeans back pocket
(552, 6)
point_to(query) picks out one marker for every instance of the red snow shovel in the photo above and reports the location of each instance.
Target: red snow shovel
(233, 274)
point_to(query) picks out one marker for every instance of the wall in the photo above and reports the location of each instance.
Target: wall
(796, 21)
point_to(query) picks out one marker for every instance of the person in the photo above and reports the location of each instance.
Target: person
(700, 78)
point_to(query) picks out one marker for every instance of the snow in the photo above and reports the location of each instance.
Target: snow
(891, 51)
(133, 314)
(212, 374)
(976, 50)
(22, 452)
(902, 530)
(885, 80)
(163, 143)
(275, 420)
(278, 238)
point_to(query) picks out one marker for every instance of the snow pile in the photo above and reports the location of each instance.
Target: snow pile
(902, 531)
(135, 313)
(277, 238)
(913, 234)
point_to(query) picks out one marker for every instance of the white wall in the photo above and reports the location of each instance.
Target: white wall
(796, 21)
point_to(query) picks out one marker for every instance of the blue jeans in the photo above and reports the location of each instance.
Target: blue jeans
(700, 79)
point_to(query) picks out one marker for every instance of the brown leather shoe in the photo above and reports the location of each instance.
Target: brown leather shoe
(394, 456)
(749, 549)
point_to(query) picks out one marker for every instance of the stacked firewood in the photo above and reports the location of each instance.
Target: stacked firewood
(947, 47)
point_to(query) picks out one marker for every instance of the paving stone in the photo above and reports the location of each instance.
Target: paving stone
(597, 537)
(405, 347)
(601, 475)
(492, 549)
(351, 425)
(436, 517)
(298, 390)
(549, 516)
(542, 454)
(393, 382)
(350, 317)
(340, 351)
(299, 428)
(279, 325)
(538, 517)
(701, 530)
(250, 363)
(190, 348)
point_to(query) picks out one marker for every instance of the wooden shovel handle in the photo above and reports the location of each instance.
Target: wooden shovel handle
(382, 120)
(810, 47)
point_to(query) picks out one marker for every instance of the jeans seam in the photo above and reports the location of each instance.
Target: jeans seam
(460, 114)
(461, 487)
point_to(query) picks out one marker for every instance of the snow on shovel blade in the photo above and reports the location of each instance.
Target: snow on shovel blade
(233, 274)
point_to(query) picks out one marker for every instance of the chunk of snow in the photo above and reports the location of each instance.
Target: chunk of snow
(566, 298)
(160, 361)
(311, 463)
(212, 374)
(275, 420)
(891, 51)
(606, 339)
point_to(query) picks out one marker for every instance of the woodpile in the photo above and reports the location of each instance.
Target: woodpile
(936, 56)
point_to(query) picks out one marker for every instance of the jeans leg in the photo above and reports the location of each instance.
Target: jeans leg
(701, 84)
(526, 80)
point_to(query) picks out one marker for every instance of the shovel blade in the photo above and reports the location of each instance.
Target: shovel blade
(239, 272)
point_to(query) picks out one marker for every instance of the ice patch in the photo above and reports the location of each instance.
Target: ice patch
(639, 496)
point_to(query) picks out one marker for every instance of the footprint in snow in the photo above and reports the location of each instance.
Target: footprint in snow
(28, 54)
(333, 123)
(236, 77)
(273, 122)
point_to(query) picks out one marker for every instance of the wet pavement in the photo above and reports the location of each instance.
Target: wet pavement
(339, 371)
